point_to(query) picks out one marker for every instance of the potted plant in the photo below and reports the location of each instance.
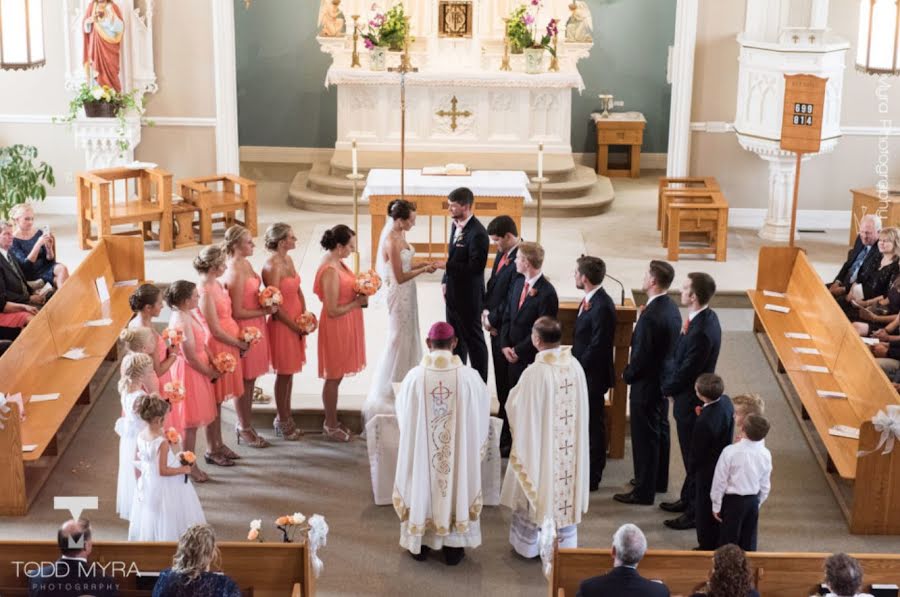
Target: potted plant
(21, 178)
(522, 30)
(102, 101)
(387, 30)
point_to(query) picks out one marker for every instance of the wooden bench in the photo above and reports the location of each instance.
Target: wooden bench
(851, 369)
(693, 215)
(104, 201)
(270, 569)
(224, 195)
(775, 574)
(681, 184)
(26, 367)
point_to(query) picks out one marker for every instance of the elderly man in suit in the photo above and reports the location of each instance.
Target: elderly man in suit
(504, 234)
(72, 575)
(696, 352)
(653, 342)
(863, 258)
(18, 304)
(628, 548)
(595, 332)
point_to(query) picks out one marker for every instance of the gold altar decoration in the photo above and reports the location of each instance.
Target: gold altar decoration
(554, 60)
(504, 66)
(455, 18)
(354, 59)
(405, 68)
(453, 113)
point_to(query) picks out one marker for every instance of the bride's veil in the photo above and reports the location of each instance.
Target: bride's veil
(381, 266)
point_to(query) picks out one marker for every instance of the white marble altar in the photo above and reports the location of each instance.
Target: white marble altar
(489, 183)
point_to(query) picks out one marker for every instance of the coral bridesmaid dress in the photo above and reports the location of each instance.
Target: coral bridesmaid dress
(198, 408)
(288, 349)
(256, 359)
(161, 350)
(229, 385)
(342, 340)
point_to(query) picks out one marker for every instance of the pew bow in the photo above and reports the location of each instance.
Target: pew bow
(888, 425)
(4, 410)
(317, 537)
(546, 542)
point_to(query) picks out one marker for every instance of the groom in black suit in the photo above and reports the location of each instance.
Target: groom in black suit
(464, 280)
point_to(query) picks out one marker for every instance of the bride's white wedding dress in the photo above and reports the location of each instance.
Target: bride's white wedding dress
(402, 347)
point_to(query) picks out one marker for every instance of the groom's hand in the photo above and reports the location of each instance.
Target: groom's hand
(510, 354)
(440, 264)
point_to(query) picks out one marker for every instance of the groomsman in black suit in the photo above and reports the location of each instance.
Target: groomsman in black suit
(503, 233)
(531, 296)
(696, 353)
(595, 331)
(652, 343)
(463, 281)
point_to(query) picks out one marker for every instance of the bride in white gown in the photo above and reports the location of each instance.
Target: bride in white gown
(403, 346)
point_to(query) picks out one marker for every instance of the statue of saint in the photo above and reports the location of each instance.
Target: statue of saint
(331, 20)
(103, 30)
(580, 26)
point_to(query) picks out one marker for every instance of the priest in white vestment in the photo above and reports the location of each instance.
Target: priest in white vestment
(548, 472)
(443, 412)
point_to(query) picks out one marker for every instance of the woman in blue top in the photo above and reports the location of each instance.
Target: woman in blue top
(189, 575)
(35, 249)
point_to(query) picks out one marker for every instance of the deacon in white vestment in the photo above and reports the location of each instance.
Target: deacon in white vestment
(443, 412)
(548, 472)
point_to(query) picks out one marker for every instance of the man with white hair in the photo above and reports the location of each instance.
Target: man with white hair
(862, 258)
(628, 548)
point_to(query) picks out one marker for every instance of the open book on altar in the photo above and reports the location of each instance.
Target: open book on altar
(448, 170)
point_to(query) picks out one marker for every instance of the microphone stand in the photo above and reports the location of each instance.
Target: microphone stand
(622, 286)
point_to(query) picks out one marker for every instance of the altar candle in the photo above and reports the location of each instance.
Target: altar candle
(540, 169)
(353, 153)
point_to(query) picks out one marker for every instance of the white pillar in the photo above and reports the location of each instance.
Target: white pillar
(777, 227)
(682, 76)
(227, 146)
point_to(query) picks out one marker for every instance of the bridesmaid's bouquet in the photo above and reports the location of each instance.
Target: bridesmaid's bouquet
(172, 436)
(173, 391)
(251, 335)
(270, 297)
(174, 336)
(224, 362)
(367, 283)
(307, 322)
(187, 458)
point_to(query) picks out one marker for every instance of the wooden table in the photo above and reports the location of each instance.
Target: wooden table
(620, 128)
(626, 315)
(867, 201)
(698, 214)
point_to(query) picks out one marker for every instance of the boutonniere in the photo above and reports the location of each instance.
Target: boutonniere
(698, 410)
(532, 292)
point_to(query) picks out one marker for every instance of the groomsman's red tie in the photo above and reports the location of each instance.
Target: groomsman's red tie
(522, 296)
(584, 305)
(503, 261)
(687, 324)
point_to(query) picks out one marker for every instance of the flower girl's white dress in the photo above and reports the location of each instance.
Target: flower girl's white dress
(128, 426)
(164, 507)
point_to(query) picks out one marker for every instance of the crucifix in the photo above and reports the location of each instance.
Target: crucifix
(453, 113)
(404, 68)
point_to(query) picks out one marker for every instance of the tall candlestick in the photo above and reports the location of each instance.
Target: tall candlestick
(540, 169)
(353, 154)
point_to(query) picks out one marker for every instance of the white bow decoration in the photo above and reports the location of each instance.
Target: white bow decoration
(888, 425)
(4, 410)
(317, 537)
(546, 542)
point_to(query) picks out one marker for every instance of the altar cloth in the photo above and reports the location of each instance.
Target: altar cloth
(483, 183)
(355, 76)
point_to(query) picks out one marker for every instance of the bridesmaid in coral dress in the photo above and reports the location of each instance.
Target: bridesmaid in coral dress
(193, 368)
(287, 342)
(223, 336)
(146, 303)
(243, 288)
(342, 342)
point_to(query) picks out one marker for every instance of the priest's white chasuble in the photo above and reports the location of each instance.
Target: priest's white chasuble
(443, 411)
(548, 471)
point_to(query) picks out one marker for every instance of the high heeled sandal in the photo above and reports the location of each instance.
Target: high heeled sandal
(217, 459)
(335, 434)
(198, 476)
(287, 430)
(249, 437)
(259, 397)
(229, 453)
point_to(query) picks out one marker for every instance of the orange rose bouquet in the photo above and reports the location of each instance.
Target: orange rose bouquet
(367, 283)
(187, 458)
(307, 322)
(173, 391)
(173, 436)
(270, 297)
(174, 336)
(251, 335)
(224, 362)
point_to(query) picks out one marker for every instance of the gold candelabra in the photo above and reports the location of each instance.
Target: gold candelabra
(554, 61)
(504, 65)
(354, 60)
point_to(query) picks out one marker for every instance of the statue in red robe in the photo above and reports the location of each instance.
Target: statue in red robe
(103, 30)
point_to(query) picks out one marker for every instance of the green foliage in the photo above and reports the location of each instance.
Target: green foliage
(21, 179)
(123, 102)
(388, 29)
(518, 32)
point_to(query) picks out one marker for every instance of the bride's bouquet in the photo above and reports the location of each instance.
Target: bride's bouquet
(270, 297)
(367, 283)
(307, 322)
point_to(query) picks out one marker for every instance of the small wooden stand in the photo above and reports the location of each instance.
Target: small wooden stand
(183, 214)
(622, 128)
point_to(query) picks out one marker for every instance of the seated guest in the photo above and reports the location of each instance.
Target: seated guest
(879, 313)
(35, 249)
(843, 576)
(72, 575)
(17, 302)
(872, 284)
(862, 258)
(745, 404)
(730, 575)
(628, 548)
(189, 575)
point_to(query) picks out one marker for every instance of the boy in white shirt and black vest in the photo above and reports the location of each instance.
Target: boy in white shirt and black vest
(741, 484)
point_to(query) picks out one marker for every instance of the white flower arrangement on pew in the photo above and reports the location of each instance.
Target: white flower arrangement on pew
(315, 529)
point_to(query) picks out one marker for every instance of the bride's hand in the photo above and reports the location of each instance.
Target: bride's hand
(431, 268)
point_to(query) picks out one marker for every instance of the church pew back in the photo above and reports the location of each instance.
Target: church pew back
(775, 574)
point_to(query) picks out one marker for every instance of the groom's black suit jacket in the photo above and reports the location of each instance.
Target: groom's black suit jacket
(464, 277)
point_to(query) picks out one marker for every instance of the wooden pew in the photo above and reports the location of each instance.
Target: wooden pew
(56, 329)
(775, 574)
(626, 315)
(270, 569)
(851, 369)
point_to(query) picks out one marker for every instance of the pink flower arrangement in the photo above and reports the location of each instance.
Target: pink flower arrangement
(174, 336)
(270, 297)
(251, 335)
(173, 391)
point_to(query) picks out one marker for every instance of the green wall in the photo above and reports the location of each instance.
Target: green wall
(282, 100)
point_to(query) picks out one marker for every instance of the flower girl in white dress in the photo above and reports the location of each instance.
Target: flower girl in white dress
(137, 374)
(165, 503)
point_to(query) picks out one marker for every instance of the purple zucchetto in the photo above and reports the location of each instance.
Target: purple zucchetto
(441, 331)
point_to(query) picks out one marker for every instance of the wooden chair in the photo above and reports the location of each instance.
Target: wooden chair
(680, 184)
(99, 206)
(222, 194)
(693, 215)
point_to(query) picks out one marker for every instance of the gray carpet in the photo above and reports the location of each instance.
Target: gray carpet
(362, 556)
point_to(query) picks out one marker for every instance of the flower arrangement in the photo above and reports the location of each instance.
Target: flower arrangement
(522, 29)
(315, 529)
(270, 297)
(102, 100)
(172, 436)
(174, 336)
(367, 283)
(173, 391)
(307, 322)
(251, 335)
(386, 29)
(187, 458)
(224, 362)
(255, 533)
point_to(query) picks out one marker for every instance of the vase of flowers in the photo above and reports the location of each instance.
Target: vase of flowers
(522, 30)
(385, 31)
(534, 60)
(378, 58)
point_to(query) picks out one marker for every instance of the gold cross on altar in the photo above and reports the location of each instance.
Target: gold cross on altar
(453, 113)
